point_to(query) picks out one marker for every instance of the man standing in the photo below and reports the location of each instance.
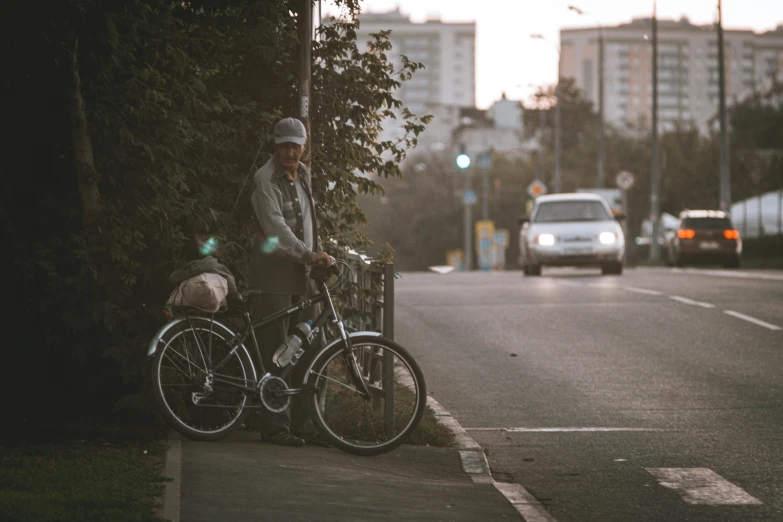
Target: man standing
(287, 244)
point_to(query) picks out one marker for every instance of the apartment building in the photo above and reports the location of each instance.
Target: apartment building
(687, 69)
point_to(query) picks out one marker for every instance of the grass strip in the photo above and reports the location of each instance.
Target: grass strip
(81, 481)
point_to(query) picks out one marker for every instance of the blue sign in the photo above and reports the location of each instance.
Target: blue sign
(469, 197)
(484, 161)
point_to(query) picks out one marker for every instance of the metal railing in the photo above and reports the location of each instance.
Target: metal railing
(372, 300)
(373, 295)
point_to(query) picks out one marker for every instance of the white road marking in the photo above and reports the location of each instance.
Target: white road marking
(727, 273)
(525, 503)
(702, 486)
(561, 430)
(691, 301)
(751, 319)
(474, 462)
(642, 290)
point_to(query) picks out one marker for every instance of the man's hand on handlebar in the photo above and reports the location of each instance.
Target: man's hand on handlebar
(322, 259)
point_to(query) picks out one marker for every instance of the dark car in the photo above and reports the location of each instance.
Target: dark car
(705, 236)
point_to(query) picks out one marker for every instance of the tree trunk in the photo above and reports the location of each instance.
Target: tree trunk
(86, 174)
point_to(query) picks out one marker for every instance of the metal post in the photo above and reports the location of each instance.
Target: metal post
(305, 30)
(780, 211)
(468, 211)
(745, 218)
(655, 175)
(725, 185)
(601, 150)
(485, 195)
(557, 131)
(388, 332)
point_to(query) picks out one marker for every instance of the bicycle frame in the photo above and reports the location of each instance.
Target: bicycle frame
(329, 313)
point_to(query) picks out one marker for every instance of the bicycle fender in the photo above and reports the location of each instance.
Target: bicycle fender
(352, 334)
(153, 346)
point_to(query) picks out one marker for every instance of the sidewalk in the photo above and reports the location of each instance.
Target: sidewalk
(242, 479)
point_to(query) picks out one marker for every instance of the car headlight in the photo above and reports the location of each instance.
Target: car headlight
(545, 239)
(607, 238)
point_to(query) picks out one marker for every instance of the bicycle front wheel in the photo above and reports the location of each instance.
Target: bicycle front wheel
(360, 424)
(199, 382)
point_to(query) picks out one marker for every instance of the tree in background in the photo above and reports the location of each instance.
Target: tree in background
(175, 104)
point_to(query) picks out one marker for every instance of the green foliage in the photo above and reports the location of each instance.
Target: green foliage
(181, 100)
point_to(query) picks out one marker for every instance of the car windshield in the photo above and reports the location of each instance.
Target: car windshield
(706, 223)
(557, 211)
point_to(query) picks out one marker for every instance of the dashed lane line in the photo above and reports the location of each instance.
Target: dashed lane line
(563, 430)
(752, 320)
(642, 290)
(691, 301)
(730, 274)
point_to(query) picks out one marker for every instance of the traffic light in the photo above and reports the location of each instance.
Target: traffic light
(463, 160)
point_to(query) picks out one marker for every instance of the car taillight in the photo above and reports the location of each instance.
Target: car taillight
(731, 234)
(686, 233)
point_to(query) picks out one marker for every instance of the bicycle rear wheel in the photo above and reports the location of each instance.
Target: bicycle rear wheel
(367, 425)
(198, 400)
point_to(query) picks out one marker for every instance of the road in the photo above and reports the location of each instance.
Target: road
(653, 396)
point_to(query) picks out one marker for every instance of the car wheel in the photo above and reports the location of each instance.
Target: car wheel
(534, 270)
(525, 270)
(612, 269)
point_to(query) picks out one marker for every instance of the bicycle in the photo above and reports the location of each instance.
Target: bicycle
(366, 393)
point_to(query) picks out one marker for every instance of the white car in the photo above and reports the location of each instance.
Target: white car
(571, 230)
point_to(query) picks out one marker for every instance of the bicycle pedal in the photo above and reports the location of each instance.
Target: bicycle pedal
(197, 397)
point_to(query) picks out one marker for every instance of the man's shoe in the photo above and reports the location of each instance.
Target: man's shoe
(315, 438)
(284, 438)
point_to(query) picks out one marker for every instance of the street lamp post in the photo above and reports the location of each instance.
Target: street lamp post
(601, 178)
(557, 114)
(655, 174)
(725, 176)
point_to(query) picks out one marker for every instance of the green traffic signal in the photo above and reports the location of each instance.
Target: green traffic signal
(463, 161)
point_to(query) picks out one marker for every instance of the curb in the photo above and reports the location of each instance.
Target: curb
(474, 462)
(173, 470)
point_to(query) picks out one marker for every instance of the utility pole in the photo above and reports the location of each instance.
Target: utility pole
(557, 115)
(600, 177)
(725, 175)
(655, 175)
(305, 30)
(601, 149)
(557, 130)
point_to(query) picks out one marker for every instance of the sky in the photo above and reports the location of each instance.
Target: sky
(508, 60)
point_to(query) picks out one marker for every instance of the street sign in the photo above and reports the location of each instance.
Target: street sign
(501, 238)
(484, 161)
(485, 233)
(536, 189)
(624, 180)
(469, 197)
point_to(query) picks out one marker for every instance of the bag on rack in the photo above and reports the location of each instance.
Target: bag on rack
(206, 292)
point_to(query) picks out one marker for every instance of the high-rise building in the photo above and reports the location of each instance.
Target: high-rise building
(447, 51)
(687, 69)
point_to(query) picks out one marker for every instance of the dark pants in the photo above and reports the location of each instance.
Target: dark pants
(270, 337)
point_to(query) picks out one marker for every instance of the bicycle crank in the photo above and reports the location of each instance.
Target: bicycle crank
(273, 391)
